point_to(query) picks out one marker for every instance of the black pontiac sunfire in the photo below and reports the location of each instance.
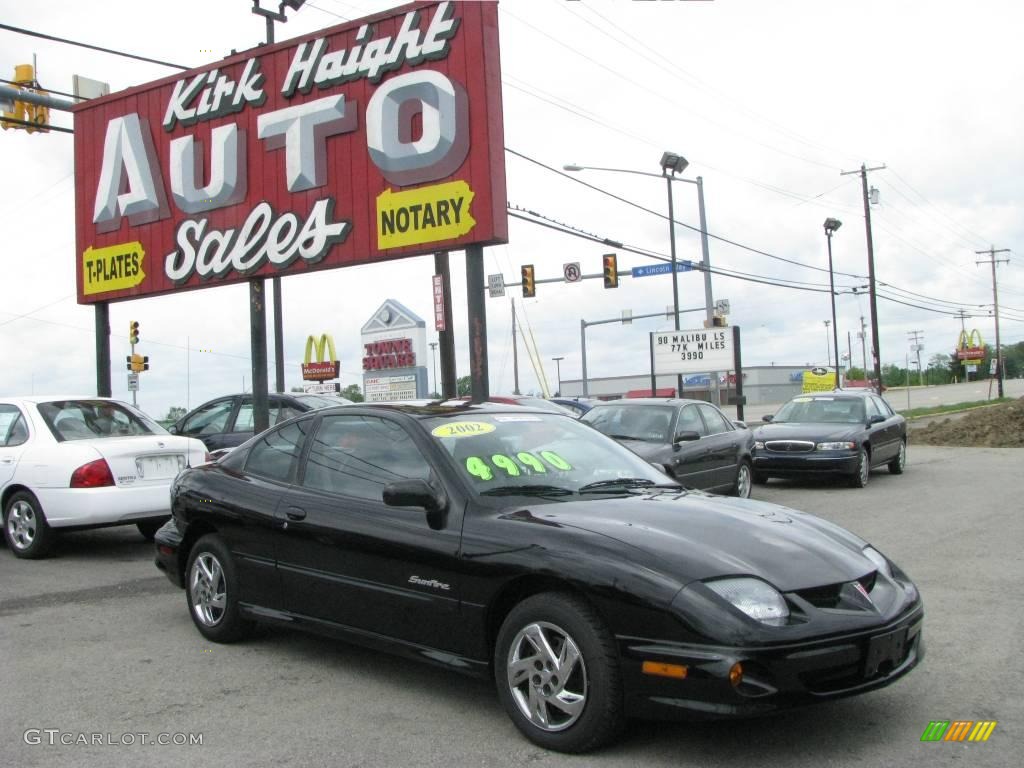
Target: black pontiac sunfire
(527, 547)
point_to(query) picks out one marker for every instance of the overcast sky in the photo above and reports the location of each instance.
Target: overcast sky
(769, 102)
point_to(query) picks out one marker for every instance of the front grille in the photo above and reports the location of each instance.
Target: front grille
(790, 446)
(832, 595)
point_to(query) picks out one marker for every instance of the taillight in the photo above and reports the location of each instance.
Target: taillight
(95, 474)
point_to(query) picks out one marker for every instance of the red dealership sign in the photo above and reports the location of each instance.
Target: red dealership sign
(374, 140)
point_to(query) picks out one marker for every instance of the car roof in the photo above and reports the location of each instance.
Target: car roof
(631, 401)
(430, 408)
(54, 398)
(838, 393)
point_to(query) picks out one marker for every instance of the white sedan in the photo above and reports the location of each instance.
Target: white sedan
(84, 462)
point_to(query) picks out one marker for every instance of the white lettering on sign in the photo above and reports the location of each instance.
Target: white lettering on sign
(696, 351)
(227, 184)
(222, 96)
(129, 164)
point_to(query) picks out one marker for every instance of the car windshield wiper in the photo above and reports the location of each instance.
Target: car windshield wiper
(612, 486)
(625, 437)
(527, 490)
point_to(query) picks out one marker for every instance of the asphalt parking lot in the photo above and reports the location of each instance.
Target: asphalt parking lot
(96, 641)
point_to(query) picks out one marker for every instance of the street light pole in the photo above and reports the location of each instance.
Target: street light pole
(675, 276)
(558, 367)
(831, 225)
(433, 354)
(828, 344)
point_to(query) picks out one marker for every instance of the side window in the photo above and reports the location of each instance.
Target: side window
(716, 422)
(359, 455)
(871, 408)
(690, 421)
(286, 412)
(276, 454)
(210, 420)
(12, 426)
(883, 407)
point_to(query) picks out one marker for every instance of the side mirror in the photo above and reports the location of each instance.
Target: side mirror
(739, 424)
(767, 417)
(173, 429)
(876, 419)
(418, 493)
(686, 436)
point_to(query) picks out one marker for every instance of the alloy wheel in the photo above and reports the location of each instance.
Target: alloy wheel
(547, 676)
(208, 589)
(22, 524)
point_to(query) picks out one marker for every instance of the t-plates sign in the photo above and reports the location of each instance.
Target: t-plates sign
(377, 139)
(496, 285)
(572, 272)
(696, 351)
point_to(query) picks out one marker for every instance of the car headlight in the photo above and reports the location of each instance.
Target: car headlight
(878, 559)
(836, 446)
(759, 445)
(758, 599)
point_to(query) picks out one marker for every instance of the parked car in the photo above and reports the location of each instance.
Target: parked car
(228, 421)
(692, 440)
(509, 542)
(68, 463)
(525, 401)
(844, 433)
(577, 406)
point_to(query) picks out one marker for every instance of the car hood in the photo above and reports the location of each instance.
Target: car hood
(816, 432)
(698, 536)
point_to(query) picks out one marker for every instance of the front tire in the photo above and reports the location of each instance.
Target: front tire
(28, 534)
(558, 675)
(744, 480)
(212, 592)
(859, 479)
(900, 461)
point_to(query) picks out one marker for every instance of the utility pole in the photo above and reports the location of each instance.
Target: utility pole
(875, 351)
(433, 354)
(916, 347)
(864, 347)
(515, 352)
(992, 251)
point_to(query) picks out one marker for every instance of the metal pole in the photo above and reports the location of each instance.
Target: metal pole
(102, 322)
(558, 368)
(832, 296)
(740, 398)
(654, 378)
(709, 299)
(583, 353)
(433, 355)
(992, 251)
(258, 345)
(876, 354)
(515, 353)
(477, 316)
(675, 275)
(864, 347)
(446, 338)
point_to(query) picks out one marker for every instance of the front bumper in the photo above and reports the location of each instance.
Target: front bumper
(774, 678)
(812, 463)
(167, 543)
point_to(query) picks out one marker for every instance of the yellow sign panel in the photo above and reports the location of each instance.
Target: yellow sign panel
(424, 214)
(815, 382)
(113, 268)
(462, 429)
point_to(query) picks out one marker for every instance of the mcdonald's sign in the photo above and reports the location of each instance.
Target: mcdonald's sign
(970, 348)
(323, 368)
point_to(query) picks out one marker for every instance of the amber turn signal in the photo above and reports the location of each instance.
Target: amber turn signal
(736, 674)
(677, 671)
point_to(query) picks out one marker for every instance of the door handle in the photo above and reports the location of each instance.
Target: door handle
(7, 460)
(294, 513)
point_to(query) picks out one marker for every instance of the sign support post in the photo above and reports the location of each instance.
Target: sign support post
(449, 385)
(103, 349)
(477, 306)
(258, 345)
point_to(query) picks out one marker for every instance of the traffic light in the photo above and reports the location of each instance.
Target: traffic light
(719, 322)
(128, 359)
(133, 332)
(37, 114)
(529, 289)
(145, 363)
(138, 363)
(611, 271)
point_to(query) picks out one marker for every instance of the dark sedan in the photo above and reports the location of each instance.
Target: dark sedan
(831, 433)
(503, 542)
(695, 442)
(227, 421)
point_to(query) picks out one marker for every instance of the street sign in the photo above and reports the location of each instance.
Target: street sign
(992, 367)
(496, 285)
(694, 351)
(324, 388)
(661, 269)
(572, 272)
(133, 382)
(916, 347)
(722, 307)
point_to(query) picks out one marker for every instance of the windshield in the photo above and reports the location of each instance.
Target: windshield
(815, 410)
(538, 453)
(649, 423)
(322, 401)
(91, 419)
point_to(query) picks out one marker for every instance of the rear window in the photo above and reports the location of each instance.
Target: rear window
(92, 419)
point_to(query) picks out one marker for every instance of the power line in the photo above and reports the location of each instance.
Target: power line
(64, 40)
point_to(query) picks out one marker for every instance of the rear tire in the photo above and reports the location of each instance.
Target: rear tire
(859, 479)
(557, 671)
(28, 534)
(900, 461)
(211, 588)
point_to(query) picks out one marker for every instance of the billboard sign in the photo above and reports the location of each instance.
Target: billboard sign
(373, 140)
(695, 351)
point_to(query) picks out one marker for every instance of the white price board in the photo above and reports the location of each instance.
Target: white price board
(696, 351)
(385, 388)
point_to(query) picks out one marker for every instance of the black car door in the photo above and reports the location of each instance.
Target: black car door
(211, 423)
(691, 460)
(346, 557)
(721, 445)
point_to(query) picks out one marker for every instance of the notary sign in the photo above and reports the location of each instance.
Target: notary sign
(373, 140)
(696, 351)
